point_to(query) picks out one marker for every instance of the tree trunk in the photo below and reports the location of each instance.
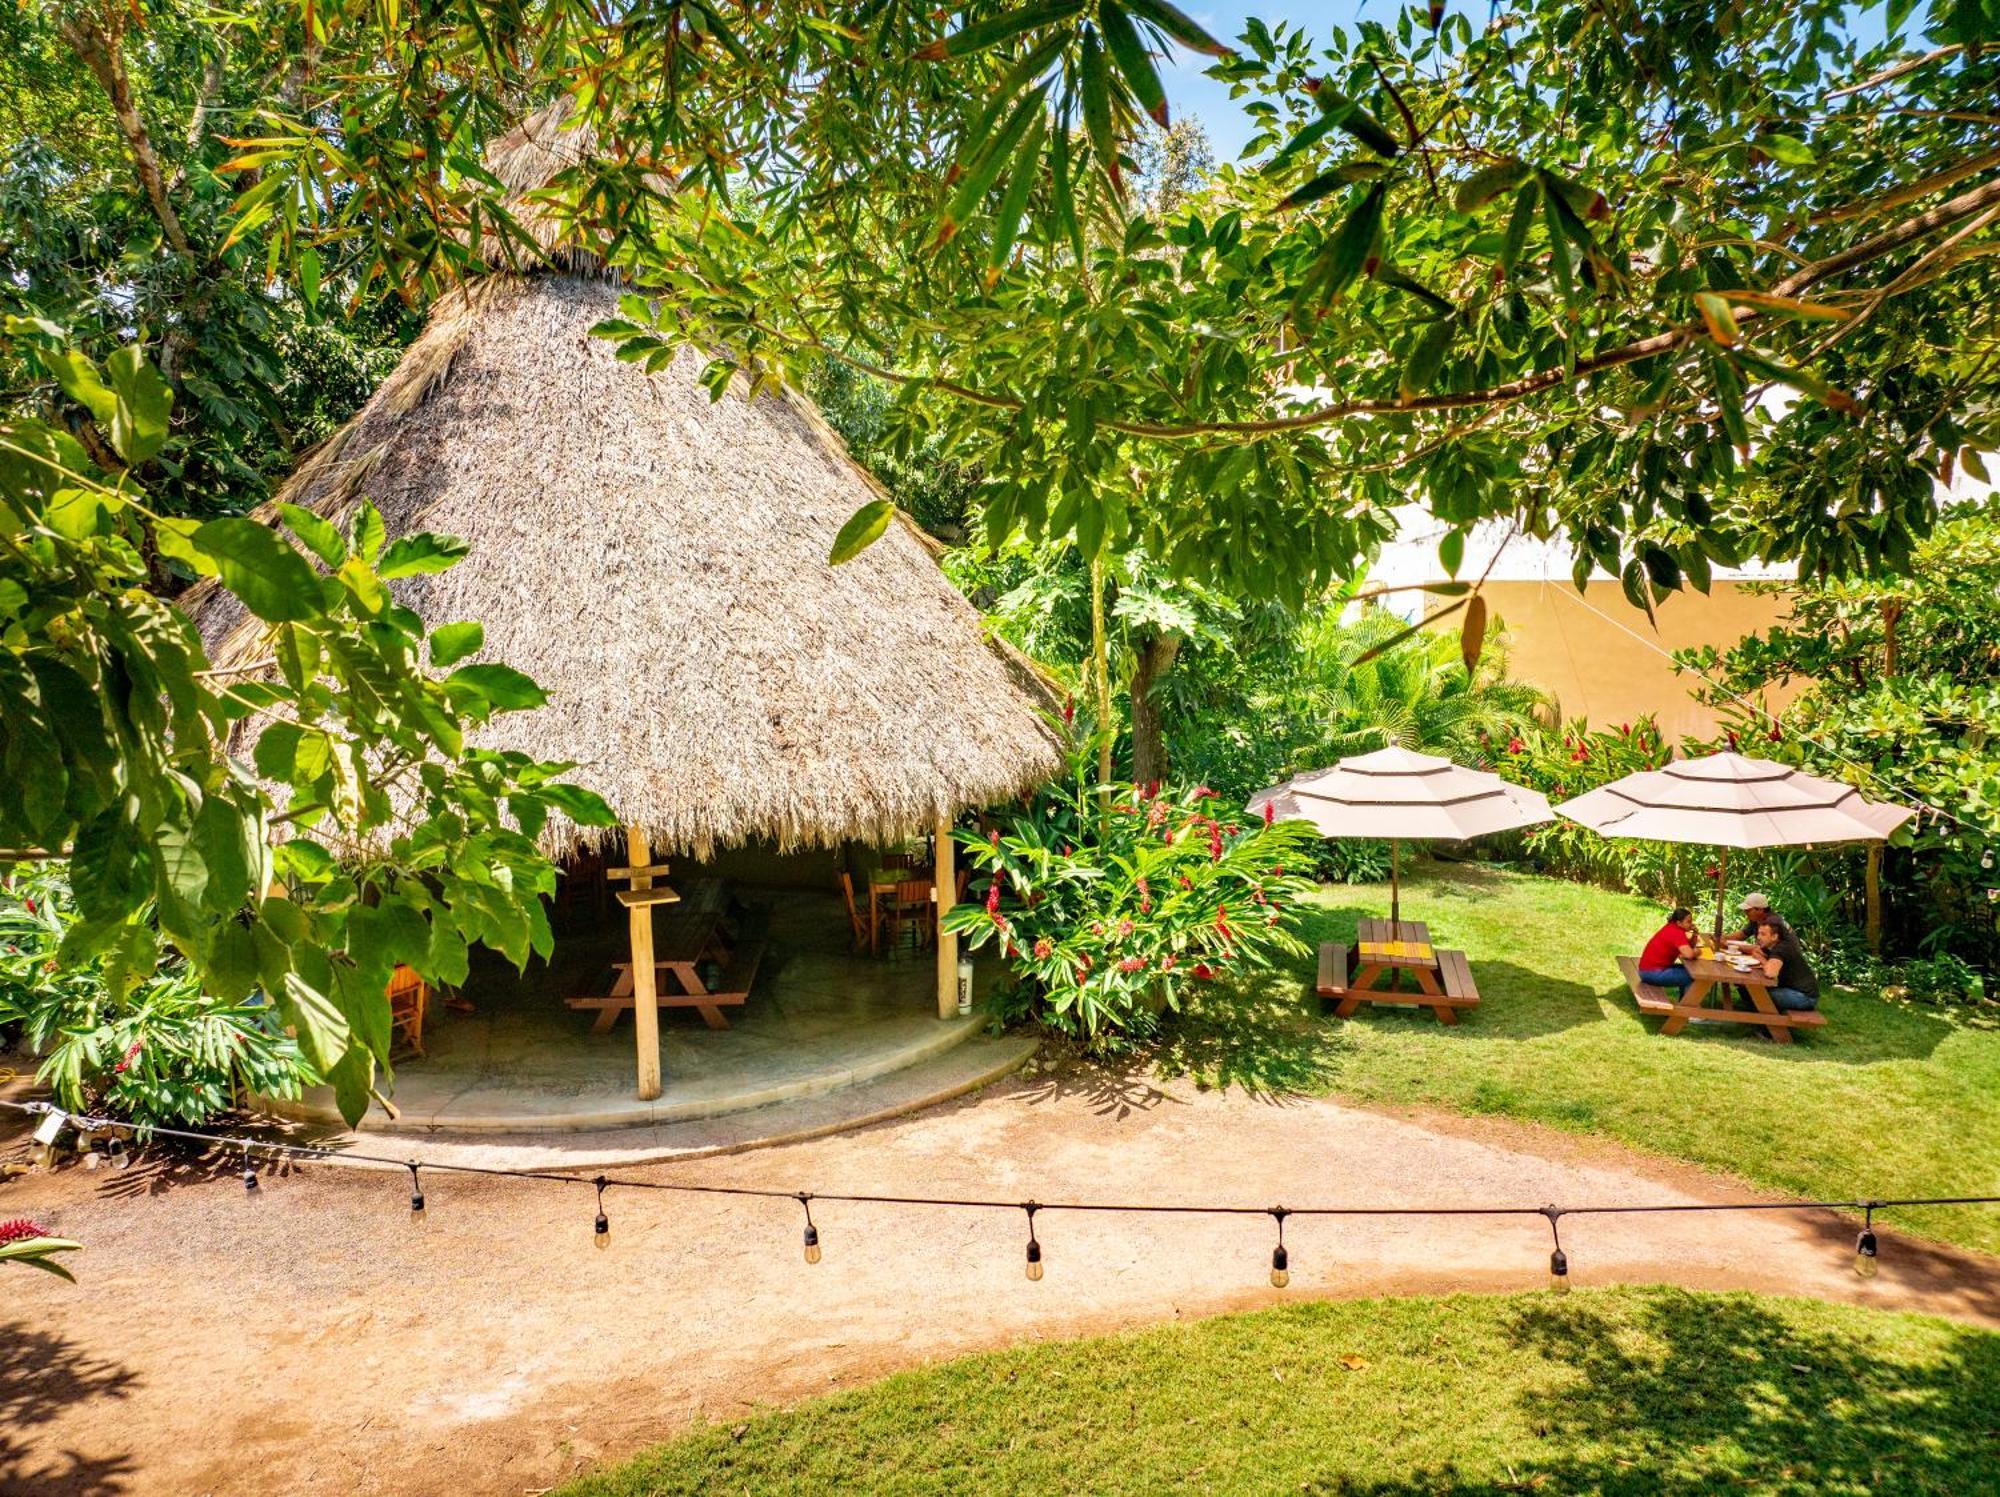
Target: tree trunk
(1156, 656)
(1100, 660)
(1874, 886)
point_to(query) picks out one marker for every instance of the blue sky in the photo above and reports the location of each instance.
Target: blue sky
(1188, 92)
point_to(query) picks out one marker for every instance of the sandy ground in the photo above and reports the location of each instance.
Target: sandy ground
(313, 1340)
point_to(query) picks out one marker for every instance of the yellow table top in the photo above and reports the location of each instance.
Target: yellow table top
(1408, 950)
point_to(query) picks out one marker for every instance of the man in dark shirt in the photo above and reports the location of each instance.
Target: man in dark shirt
(1796, 988)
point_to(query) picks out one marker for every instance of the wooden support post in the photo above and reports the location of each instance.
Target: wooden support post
(645, 979)
(946, 895)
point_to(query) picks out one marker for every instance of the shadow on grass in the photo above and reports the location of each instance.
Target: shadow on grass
(1722, 1393)
(42, 1374)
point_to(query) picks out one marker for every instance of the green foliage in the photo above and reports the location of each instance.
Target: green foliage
(1108, 901)
(152, 1051)
(1903, 704)
(369, 834)
(29, 1244)
(1246, 718)
(1430, 277)
(258, 371)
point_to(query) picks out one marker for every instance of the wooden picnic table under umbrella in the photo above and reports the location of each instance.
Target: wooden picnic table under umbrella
(1398, 796)
(1725, 801)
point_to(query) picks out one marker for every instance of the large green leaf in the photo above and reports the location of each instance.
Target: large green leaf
(863, 528)
(144, 403)
(420, 553)
(272, 580)
(499, 686)
(451, 643)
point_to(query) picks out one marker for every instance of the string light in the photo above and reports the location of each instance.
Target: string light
(812, 1232)
(54, 1120)
(1558, 1259)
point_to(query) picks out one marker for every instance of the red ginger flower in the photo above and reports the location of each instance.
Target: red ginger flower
(1132, 964)
(1201, 970)
(1069, 710)
(1202, 792)
(20, 1229)
(993, 898)
(1042, 949)
(131, 1055)
(1269, 815)
(1515, 746)
(1124, 929)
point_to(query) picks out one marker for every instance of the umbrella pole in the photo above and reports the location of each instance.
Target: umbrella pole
(1721, 887)
(1395, 889)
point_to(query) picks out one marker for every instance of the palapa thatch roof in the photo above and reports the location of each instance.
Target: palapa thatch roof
(657, 562)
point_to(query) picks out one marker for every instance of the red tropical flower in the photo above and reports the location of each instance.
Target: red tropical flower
(1515, 746)
(1201, 971)
(1269, 815)
(1042, 949)
(20, 1229)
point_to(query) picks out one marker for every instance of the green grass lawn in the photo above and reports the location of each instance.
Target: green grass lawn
(1611, 1391)
(1887, 1099)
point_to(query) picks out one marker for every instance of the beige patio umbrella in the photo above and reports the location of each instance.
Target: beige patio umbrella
(1397, 796)
(1731, 800)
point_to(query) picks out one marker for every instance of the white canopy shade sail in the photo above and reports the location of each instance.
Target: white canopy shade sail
(1732, 800)
(1398, 795)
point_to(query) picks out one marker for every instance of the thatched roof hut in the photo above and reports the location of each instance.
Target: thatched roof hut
(657, 561)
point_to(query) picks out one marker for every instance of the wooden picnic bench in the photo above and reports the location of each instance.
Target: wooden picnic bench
(683, 938)
(1381, 952)
(1717, 979)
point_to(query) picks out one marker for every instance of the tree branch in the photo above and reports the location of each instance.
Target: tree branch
(99, 43)
(1896, 70)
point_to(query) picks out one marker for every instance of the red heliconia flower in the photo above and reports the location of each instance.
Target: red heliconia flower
(1042, 949)
(1269, 814)
(1515, 746)
(20, 1229)
(1069, 710)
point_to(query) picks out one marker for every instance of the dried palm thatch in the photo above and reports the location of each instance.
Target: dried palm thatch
(657, 562)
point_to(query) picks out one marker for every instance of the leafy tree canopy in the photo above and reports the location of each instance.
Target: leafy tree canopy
(1553, 266)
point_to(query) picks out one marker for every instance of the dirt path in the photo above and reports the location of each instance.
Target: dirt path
(315, 1341)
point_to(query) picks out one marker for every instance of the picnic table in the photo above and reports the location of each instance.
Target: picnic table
(1383, 950)
(1717, 979)
(685, 935)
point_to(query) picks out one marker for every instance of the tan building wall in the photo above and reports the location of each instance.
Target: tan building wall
(1583, 650)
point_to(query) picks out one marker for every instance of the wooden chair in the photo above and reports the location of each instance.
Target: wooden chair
(409, 998)
(908, 903)
(899, 860)
(857, 922)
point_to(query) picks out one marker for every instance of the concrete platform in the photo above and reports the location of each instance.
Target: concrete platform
(818, 1021)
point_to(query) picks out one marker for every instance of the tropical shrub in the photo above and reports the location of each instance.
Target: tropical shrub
(1106, 901)
(154, 1051)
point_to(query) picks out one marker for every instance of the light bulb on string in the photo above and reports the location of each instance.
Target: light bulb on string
(249, 1176)
(416, 1196)
(1865, 1247)
(1034, 1247)
(1558, 1259)
(1281, 1261)
(121, 1157)
(601, 1228)
(812, 1232)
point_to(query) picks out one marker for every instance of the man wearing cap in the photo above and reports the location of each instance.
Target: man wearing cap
(1757, 911)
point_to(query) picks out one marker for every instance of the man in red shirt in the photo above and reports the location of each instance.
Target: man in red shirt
(1672, 944)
